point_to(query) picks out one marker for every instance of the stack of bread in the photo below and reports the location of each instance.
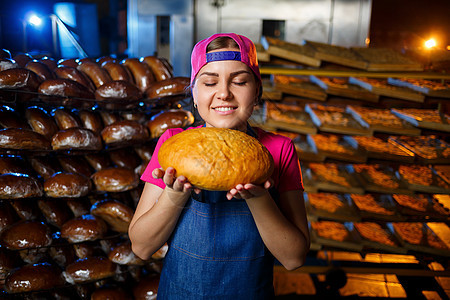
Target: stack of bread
(75, 136)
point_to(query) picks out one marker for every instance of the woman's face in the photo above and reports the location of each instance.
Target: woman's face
(225, 93)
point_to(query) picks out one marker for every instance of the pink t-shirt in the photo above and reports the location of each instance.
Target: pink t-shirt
(286, 174)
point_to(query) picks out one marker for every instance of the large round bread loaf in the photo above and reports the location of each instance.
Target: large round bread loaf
(217, 159)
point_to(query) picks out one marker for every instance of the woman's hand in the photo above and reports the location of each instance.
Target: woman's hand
(249, 190)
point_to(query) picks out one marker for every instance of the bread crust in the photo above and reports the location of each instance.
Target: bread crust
(217, 159)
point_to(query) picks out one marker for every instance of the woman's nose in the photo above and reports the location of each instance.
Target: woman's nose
(223, 92)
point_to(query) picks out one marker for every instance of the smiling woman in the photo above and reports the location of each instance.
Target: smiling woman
(222, 238)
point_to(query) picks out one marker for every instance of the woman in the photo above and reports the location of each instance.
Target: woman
(222, 244)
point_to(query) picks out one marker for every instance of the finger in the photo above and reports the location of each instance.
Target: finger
(178, 184)
(169, 176)
(197, 191)
(158, 173)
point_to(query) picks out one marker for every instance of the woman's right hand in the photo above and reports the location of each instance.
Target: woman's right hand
(178, 188)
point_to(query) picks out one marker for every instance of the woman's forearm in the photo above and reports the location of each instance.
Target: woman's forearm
(153, 228)
(284, 239)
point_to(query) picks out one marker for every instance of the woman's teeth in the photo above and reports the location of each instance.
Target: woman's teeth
(224, 108)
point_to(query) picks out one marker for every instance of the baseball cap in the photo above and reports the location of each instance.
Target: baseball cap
(246, 54)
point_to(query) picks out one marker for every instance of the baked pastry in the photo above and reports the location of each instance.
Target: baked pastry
(109, 118)
(25, 235)
(72, 73)
(34, 277)
(41, 122)
(147, 288)
(13, 164)
(91, 120)
(70, 185)
(55, 212)
(175, 118)
(115, 180)
(97, 74)
(369, 203)
(83, 228)
(19, 78)
(124, 158)
(168, 87)
(89, 269)
(76, 139)
(118, 94)
(123, 132)
(115, 213)
(117, 71)
(22, 139)
(142, 73)
(217, 158)
(10, 119)
(375, 232)
(75, 164)
(325, 201)
(25, 209)
(49, 62)
(40, 69)
(65, 119)
(45, 166)
(123, 255)
(7, 63)
(69, 62)
(7, 215)
(417, 233)
(159, 69)
(64, 88)
(331, 230)
(16, 186)
(145, 152)
(98, 161)
(78, 206)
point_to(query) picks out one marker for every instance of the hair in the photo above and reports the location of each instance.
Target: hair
(222, 42)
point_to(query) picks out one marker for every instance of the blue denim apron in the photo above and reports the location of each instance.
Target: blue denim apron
(216, 252)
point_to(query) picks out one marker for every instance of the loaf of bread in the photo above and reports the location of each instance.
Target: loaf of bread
(76, 139)
(217, 158)
(65, 118)
(125, 158)
(118, 94)
(159, 69)
(17, 186)
(9, 118)
(25, 235)
(69, 185)
(34, 277)
(115, 180)
(91, 120)
(45, 166)
(147, 288)
(74, 74)
(19, 78)
(89, 269)
(123, 255)
(55, 212)
(141, 72)
(7, 63)
(123, 132)
(22, 59)
(41, 122)
(40, 69)
(174, 118)
(49, 62)
(75, 164)
(23, 139)
(117, 71)
(83, 228)
(168, 87)
(115, 213)
(63, 88)
(98, 75)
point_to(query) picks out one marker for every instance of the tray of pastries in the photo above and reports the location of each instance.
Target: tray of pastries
(378, 148)
(422, 206)
(270, 92)
(303, 54)
(375, 207)
(289, 117)
(338, 86)
(299, 86)
(384, 59)
(422, 178)
(307, 149)
(379, 178)
(427, 148)
(424, 118)
(428, 87)
(334, 178)
(337, 54)
(330, 206)
(382, 120)
(417, 236)
(309, 184)
(335, 119)
(335, 234)
(381, 87)
(379, 237)
(337, 147)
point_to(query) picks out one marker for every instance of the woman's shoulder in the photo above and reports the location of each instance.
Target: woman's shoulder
(173, 131)
(271, 137)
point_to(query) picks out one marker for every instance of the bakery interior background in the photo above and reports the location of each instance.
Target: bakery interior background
(399, 24)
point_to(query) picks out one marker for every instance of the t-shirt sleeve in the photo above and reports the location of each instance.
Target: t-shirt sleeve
(154, 163)
(290, 174)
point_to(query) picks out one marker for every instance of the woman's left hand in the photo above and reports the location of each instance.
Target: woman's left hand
(249, 190)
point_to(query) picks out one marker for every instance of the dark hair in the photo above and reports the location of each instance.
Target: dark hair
(222, 42)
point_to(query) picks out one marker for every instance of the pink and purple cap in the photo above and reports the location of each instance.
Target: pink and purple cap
(246, 54)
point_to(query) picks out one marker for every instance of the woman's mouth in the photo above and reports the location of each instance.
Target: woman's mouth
(224, 108)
